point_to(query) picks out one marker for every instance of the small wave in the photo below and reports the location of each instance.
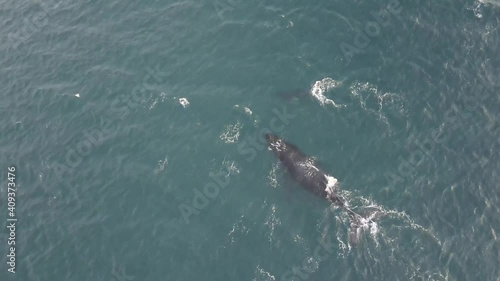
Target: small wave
(272, 221)
(263, 275)
(376, 102)
(300, 240)
(238, 228)
(159, 99)
(231, 167)
(231, 133)
(161, 165)
(273, 177)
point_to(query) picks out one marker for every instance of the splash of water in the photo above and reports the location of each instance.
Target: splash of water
(319, 89)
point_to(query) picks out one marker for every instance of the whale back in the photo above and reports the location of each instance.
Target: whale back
(300, 166)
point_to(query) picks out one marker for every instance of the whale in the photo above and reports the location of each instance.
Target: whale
(304, 169)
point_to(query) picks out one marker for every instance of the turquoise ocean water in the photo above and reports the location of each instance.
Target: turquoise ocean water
(134, 129)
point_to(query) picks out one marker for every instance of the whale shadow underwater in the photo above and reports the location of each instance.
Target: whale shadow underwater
(303, 169)
(294, 94)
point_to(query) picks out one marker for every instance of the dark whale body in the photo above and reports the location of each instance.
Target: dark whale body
(303, 169)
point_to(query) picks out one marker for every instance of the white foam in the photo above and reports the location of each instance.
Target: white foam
(319, 89)
(248, 111)
(184, 102)
(264, 275)
(330, 185)
(231, 167)
(368, 224)
(272, 177)
(376, 102)
(238, 230)
(231, 133)
(272, 221)
(161, 165)
(161, 98)
(477, 7)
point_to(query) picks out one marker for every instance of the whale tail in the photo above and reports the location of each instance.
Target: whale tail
(358, 222)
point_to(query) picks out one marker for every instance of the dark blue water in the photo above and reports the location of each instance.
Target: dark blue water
(135, 130)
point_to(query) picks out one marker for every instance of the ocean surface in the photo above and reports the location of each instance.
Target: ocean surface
(135, 129)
